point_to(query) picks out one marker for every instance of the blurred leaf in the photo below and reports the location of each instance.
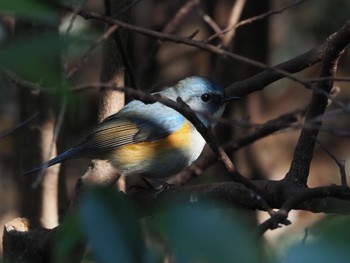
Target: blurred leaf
(333, 228)
(69, 245)
(199, 234)
(111, 227)
(30, 9)
(319, 252)
(35, 59)
(329, 243)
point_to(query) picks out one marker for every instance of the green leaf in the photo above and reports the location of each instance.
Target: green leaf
(111, 227)
(69, 245)
(316, 252)
(30, 9)
(333, 228)
(328, 243)
(36, 59)
(199, 234)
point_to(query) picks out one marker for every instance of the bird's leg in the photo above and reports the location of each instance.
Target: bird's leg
(148, 185)
(161, 182)
(164, 185)
(144, 179)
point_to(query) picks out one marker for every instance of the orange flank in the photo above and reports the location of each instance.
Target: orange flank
(142, 151)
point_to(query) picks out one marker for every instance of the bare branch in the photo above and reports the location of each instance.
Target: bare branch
(303, 153)
(169, 28)
(212, 24)
(15, 79)
(340, 163)
(189, 42)
(339, 79)
(235, 15)
(254, 19)
(74, 15)
(205, 161)
(305, 198)
(128, 7)
(18, 126)
(87, 54)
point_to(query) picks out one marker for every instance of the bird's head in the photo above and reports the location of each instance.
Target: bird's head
(204, 96)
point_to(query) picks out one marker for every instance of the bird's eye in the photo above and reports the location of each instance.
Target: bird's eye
(206, 97)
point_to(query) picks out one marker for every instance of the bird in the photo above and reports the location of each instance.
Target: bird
(152, 140)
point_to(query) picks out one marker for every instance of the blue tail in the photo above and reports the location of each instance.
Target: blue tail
(69, 154)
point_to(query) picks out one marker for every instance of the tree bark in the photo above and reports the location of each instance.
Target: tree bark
(39, 193)
(111, 101)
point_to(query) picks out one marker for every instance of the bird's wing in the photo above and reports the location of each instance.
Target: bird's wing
(127, 127)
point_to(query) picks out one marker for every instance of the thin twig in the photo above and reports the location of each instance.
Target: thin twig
(235, 15)
(19, 82)
(253, 19)
(87, 54)
(213, 25)
(262, 131)
(303, 153)
(100, 40)
(128, 65)
(295, 199)
(56, 131)
(74, 16)
(339, 79)
(204, 46)
(169, 28)
(77, 8)
(189, 42)
(340, 163)
(18, 126)
(128, 7)
(180, 15)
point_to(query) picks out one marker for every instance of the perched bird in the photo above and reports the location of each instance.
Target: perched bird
(151, 140)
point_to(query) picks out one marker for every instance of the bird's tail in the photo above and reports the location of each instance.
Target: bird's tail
(69, 154)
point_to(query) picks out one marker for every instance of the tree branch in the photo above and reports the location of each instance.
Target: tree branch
(187, 41)
(303, 152)
(279, 194)
(205, 161)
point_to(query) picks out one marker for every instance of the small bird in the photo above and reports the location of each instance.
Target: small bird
(152, 140)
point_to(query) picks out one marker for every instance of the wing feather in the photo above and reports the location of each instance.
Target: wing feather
(127, 127)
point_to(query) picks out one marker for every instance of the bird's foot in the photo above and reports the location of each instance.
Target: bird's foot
(164, 185)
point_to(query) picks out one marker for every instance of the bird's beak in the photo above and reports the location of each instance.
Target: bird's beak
(230, 98)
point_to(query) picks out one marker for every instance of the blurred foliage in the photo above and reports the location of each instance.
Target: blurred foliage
(36, 10)
(71, 246)
(116, 232)
(198, 234)
(322, 21)
(306, 25)
(111, 225)
(34, 58)
(329, 242)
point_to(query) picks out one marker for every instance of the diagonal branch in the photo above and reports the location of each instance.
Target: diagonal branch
(206, 160)
(18, 126)
(340, 163)
(254, 19)
(266, 77)
(303, 152)
(187, 41)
